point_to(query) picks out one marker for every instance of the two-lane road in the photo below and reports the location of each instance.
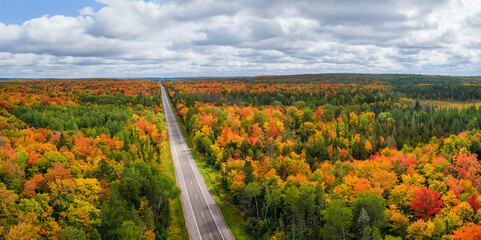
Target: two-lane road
(202, 215)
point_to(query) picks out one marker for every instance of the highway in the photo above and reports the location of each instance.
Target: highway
(202, 215)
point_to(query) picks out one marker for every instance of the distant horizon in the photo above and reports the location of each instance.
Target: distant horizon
(233, 76)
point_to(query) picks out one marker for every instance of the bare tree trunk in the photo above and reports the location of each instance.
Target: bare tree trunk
(265, 215)
(160, 202)
(257, 208)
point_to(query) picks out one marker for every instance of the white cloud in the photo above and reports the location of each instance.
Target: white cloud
(86, 11)
(208, 37)
(9, 33)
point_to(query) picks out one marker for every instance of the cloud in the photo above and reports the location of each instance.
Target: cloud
(86, 11)
(221, 37)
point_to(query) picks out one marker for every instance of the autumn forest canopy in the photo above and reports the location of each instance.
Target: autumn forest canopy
(84, 159)
(342, 156)
(329, 156)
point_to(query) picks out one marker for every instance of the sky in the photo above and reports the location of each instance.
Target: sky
(176, 38)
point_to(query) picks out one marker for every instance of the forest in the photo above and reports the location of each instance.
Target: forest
(341, 156)
(85, 159)
(330, 156)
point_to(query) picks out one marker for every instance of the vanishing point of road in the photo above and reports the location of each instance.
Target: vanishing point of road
(202, 215)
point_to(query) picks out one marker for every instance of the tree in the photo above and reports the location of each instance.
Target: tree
(29, 189)
(363, 220)
(129, 231)
(473, 201)
(260, 118)
(369, 210)
(58, 171)
(426, 203)
(252, 191)
(368, 146)
(420, 229)
(464, 211)
(22, 231)
(272, 197)
(398, 223)
(337, 217)
(472, 232)
(71, 233)
(62, 141)
(371, 234)
(307, 114)
(248, 172)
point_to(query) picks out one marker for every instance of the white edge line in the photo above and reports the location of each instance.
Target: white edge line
(197, 180)
(183, 179)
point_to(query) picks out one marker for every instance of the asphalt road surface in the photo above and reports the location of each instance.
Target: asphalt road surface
(202, 215)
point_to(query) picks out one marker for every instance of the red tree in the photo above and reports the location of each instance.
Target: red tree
(58, 171)
(474, 203)
(29, 189)
(426, 203)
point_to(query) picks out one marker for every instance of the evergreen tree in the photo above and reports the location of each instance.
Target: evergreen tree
(337, 221)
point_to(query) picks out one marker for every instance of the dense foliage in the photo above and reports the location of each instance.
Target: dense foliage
(59, 118)
(76, 166)
(320, 159)
(413, 86)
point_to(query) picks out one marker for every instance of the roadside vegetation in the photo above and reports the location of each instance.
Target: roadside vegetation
(231, 213)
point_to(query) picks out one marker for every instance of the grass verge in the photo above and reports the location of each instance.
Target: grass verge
(231, 213)
(177, 229)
